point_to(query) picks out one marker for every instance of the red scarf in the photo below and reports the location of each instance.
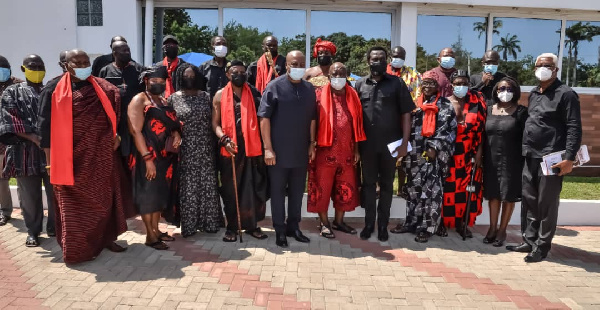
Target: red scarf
(391, 71)
(170, 69)
(325, 132)
(249, 120)
(264, 72)
(61, 128)
(429, 115)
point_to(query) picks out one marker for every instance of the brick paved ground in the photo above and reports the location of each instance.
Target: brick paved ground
(345, 273)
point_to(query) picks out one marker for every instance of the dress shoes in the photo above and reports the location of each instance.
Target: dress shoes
(522, 248)
(298, 235)
(382, 233)
(535, 257)
(365, 234)
(281, 240)
(4, 219)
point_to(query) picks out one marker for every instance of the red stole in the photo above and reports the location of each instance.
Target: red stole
(326, 114)
(170, 70)
(391, 71)
(429, 115)
(61, 128)
(250, 127)
(264, 72)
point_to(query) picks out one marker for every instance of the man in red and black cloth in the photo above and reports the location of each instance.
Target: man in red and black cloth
(268, 67)
(172, 62)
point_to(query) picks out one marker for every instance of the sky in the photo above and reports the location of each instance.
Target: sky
(433, 32)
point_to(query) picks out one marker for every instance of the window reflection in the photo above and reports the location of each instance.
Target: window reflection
(581, 54)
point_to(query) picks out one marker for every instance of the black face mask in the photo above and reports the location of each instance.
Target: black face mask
(324, 60)
(123, 58)
(188, 83)
(378, 68)
(157, 89)
(171, 51)
(238, 79)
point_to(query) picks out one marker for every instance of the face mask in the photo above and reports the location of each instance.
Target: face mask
(505, 96)
(4, 74)
(324, 60)
(188, 83)
(297, 74)
(492, 69)
(397, 63)
(171, 51)
(35, 77)
(220, 51)
(448, 62)
(338, 83)
(238, 79)
(378, 68)
(124, 58)
(543, 74)
(157, 89)
(460, 91)
(83, 73)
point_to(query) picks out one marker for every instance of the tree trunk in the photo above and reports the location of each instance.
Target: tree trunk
(575, 67)
(569, 66)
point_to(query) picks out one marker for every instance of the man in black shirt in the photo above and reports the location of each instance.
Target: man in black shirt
(484, 82)
(264, 70)
(554, 125)
(288, 110)
(214, 76)
(125, 75)
(386, 104)
(104, 60)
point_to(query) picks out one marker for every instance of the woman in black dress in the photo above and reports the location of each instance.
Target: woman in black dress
(503, 161)
(156, 133)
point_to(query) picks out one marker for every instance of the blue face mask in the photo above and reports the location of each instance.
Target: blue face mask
(448, 62)
(492, 69)
(460, 91)
(4, 74)
(83, 73)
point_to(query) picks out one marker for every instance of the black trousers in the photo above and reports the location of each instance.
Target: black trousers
(30, 200)
(541, 197)
(377, 167)
(291, 181)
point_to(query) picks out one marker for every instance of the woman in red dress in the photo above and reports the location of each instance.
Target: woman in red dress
(471, 111)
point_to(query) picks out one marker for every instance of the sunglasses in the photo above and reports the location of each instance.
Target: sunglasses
(505, 88)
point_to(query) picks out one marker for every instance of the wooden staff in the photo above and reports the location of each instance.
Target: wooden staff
(237, 202)
(470, 192)
(271, 62)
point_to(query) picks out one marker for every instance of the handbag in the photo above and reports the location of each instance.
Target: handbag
(169, 146)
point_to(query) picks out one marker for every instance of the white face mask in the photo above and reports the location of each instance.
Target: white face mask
(397, 63)
(220, 51)
(543, 74)
(297, 73)
(505, 96)
(338, 83)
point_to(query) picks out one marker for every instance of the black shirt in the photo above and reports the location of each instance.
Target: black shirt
(383, 104)
(213, 77)
(101, 62)
(174, 73)
(486, 90)
(280, 65)
(291, 107)
(554, 122)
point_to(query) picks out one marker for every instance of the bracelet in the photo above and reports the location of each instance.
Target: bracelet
(224, 140)
(147, 154)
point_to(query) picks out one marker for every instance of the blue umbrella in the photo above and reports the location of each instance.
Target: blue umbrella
(195, 59)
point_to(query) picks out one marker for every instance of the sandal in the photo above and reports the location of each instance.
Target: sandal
(422, 236)
(326, 232)
(343, 227)
(158, 245)
(258, 234)
(230, 236)
(401, 229)
(165, 237)
(442, 232)
(32, 241)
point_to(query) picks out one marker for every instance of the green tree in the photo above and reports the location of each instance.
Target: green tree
(508, 45)
(193, 38)
(481, 27)
(425, 62)
(239, 36)
(576, 33)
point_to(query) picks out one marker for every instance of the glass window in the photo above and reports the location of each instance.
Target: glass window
(246, 28)
(193, 28)
(352, 38)
(466, 35)
(89, 12)
(520, 40)
(581, 54)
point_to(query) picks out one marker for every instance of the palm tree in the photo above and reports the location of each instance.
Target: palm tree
(574, 34)
(508, 45)
(481, 27)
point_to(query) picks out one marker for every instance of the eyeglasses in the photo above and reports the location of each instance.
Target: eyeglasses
(505, 88)
(545, 66)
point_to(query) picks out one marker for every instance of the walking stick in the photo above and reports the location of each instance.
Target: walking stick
(470, 192)
(237, 202)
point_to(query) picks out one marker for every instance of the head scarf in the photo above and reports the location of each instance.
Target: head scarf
(324, 45)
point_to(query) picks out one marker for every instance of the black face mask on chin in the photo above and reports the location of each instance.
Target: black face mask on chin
(171, 51)
(324, 60)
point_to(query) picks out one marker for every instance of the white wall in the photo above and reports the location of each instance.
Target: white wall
(43, 27)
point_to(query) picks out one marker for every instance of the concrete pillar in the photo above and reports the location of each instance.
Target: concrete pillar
(160, 24)
(148, 32)
(408, 31)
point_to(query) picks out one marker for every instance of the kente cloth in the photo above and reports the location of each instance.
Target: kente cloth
(411, 77)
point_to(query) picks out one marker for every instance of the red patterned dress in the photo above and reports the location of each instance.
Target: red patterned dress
(332, 175)
(469, 136)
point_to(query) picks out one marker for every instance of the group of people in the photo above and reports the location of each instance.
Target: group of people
(114, 139)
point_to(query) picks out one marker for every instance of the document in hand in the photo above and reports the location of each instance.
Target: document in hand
(552, 159)
(394, 145)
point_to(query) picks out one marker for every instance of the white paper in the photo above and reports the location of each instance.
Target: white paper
(394, 145)
(552, 159)
(582, 156)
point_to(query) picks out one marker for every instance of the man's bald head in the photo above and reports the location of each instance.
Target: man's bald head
(117, 39)
(295, 56)
(4, 62)
(33, 62)
(399, 52)
(446, 52)
(32, 58)
(270, 43)
(77, 59)
(491, 57)
(338, 69)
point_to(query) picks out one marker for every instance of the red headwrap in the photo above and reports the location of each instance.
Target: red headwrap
(326, 45)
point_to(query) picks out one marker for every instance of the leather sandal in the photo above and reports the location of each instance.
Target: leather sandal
(343, 227)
